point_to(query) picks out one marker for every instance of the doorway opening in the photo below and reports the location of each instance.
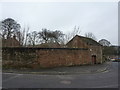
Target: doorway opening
(94, 59)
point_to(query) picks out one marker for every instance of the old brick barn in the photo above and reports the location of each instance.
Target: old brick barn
(78, 51)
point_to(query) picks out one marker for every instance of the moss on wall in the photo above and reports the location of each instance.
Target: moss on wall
(44, 57)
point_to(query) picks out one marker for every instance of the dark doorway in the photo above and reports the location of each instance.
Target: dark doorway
(94, 59)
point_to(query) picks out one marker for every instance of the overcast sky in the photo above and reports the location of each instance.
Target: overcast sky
(100, 18)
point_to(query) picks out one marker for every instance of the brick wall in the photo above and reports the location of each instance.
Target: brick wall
(56, 57)
(45, 57)
(97, 51)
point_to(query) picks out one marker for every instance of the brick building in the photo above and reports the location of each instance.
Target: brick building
(79, 51)
(94, 48)
(49, 45)
(10, 42)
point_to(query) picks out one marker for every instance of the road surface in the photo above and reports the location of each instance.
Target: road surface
(107, 79)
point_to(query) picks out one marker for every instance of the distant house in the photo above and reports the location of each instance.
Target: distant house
(11, 42)
(49, 45)
(94, 48)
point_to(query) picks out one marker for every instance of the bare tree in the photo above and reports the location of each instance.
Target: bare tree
(76, 31)
(25, 35)
(90, 35)
(44, 35)
(70, 35)
(104, 42)
(50, 36)
(9, 28)
(56, 36)
(2, 32)
(32, 38)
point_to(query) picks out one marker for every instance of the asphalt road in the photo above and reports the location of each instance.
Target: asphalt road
(107, 79)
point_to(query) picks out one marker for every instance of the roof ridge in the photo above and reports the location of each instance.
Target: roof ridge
(93, 42)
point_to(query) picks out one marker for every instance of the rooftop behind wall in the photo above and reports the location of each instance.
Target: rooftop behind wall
(37, 48)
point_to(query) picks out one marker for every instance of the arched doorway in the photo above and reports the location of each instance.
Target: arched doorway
(93, 59)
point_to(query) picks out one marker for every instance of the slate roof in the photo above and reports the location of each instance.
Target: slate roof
(11, 42)
(49, 45)
(87, 40)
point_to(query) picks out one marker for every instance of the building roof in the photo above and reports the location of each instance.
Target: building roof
(11, 42)
(87, 40)
(49, 45)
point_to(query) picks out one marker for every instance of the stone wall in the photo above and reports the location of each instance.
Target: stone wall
(45, 57)
(61, 57)
(97, 51)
